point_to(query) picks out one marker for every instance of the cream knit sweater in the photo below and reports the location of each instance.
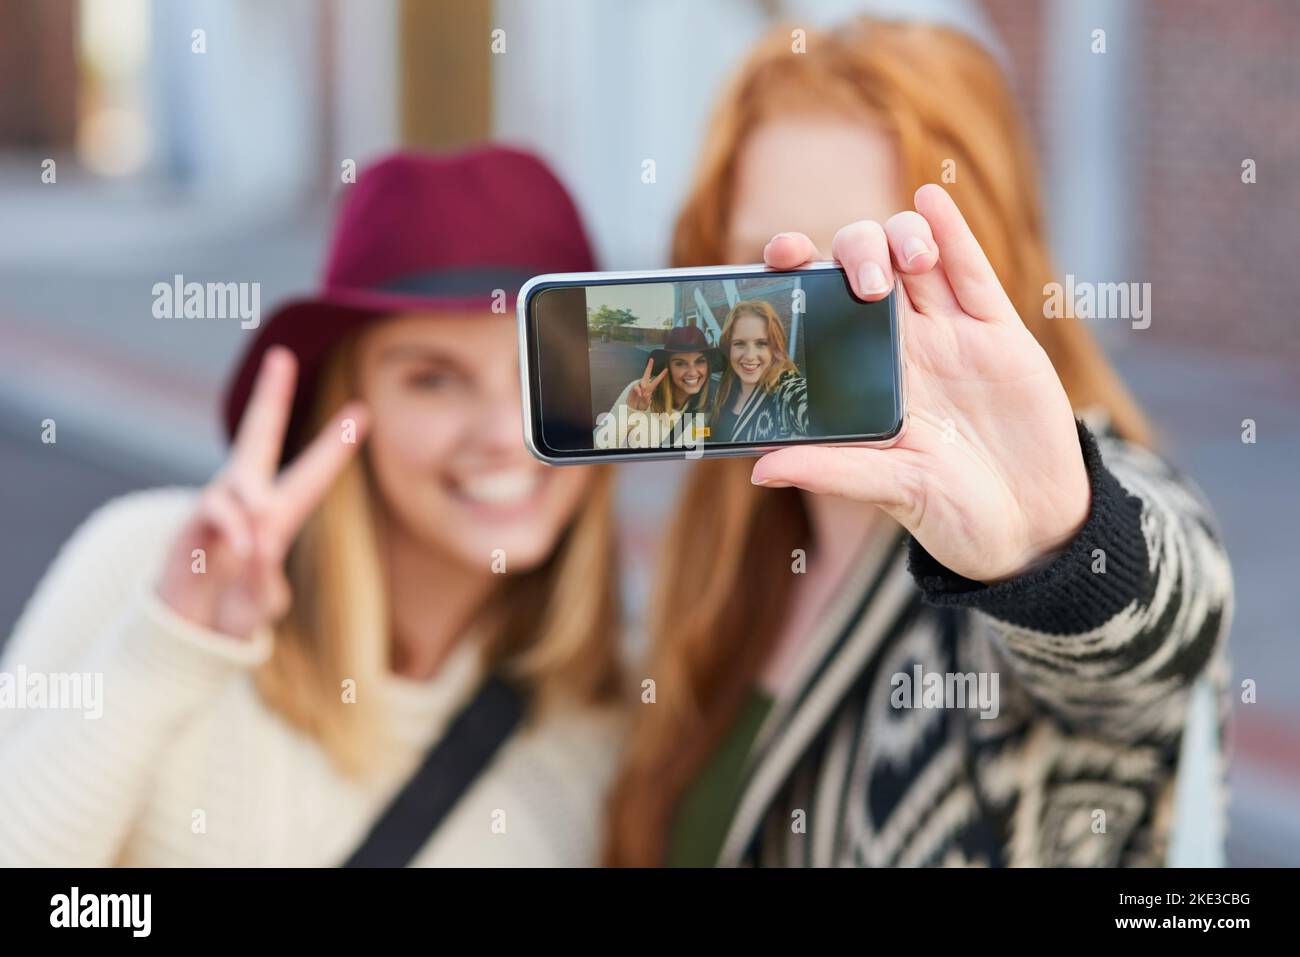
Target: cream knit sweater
(187, 766)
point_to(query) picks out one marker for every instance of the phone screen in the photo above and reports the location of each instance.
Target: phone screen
(719, 361)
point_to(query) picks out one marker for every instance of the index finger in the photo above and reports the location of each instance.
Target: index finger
(659, 378)
(260, 438)
(862, 249)
(306, 480)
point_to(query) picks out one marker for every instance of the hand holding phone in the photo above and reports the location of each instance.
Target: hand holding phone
(728, 360)
(970, 439)
(988, 475)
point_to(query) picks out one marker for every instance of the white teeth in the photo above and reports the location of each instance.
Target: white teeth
(501, 488)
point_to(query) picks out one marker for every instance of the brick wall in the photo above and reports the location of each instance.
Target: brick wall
(1216, 83)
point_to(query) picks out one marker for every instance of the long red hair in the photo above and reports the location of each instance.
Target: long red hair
(718, 609)
(781, 361)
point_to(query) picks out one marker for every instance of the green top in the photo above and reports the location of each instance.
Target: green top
(709, 802)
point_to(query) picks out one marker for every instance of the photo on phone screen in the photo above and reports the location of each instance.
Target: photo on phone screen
(714, 361)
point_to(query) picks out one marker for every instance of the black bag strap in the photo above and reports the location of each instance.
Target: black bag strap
(445, 774)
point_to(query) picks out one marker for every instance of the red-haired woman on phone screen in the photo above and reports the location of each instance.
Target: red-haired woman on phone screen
(762, 397)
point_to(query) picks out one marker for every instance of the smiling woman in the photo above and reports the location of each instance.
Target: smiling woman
(762, 395)
(666, 405)
(446, 448)
(380, 589)
(969, 548)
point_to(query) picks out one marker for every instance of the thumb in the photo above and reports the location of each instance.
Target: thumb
(865, 475)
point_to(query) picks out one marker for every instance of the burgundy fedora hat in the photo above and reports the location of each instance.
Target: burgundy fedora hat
(685, 339)
(421, 233)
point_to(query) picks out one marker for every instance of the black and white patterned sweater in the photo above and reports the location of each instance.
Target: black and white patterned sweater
(1095, 658)
(767, 416)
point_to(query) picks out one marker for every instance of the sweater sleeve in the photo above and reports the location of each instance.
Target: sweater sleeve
(1111, 636)
(612, 433)
(74, 771)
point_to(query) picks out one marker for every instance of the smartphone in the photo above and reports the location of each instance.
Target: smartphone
(694, 363)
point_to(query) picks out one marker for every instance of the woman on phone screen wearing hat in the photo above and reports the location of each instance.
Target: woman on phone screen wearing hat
(668, 405)
(378, 558)
(762, 395)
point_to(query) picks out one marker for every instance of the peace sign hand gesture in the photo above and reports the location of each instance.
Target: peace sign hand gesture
(644, 388)
(988, 475)
(248, 516)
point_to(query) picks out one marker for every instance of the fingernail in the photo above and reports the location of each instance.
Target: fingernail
(914, 248)
(769, 483)
(871, 279)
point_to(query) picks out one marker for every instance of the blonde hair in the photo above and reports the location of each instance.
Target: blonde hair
(717, 611)
(662, 400)
(781, 361)
(554, 629)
